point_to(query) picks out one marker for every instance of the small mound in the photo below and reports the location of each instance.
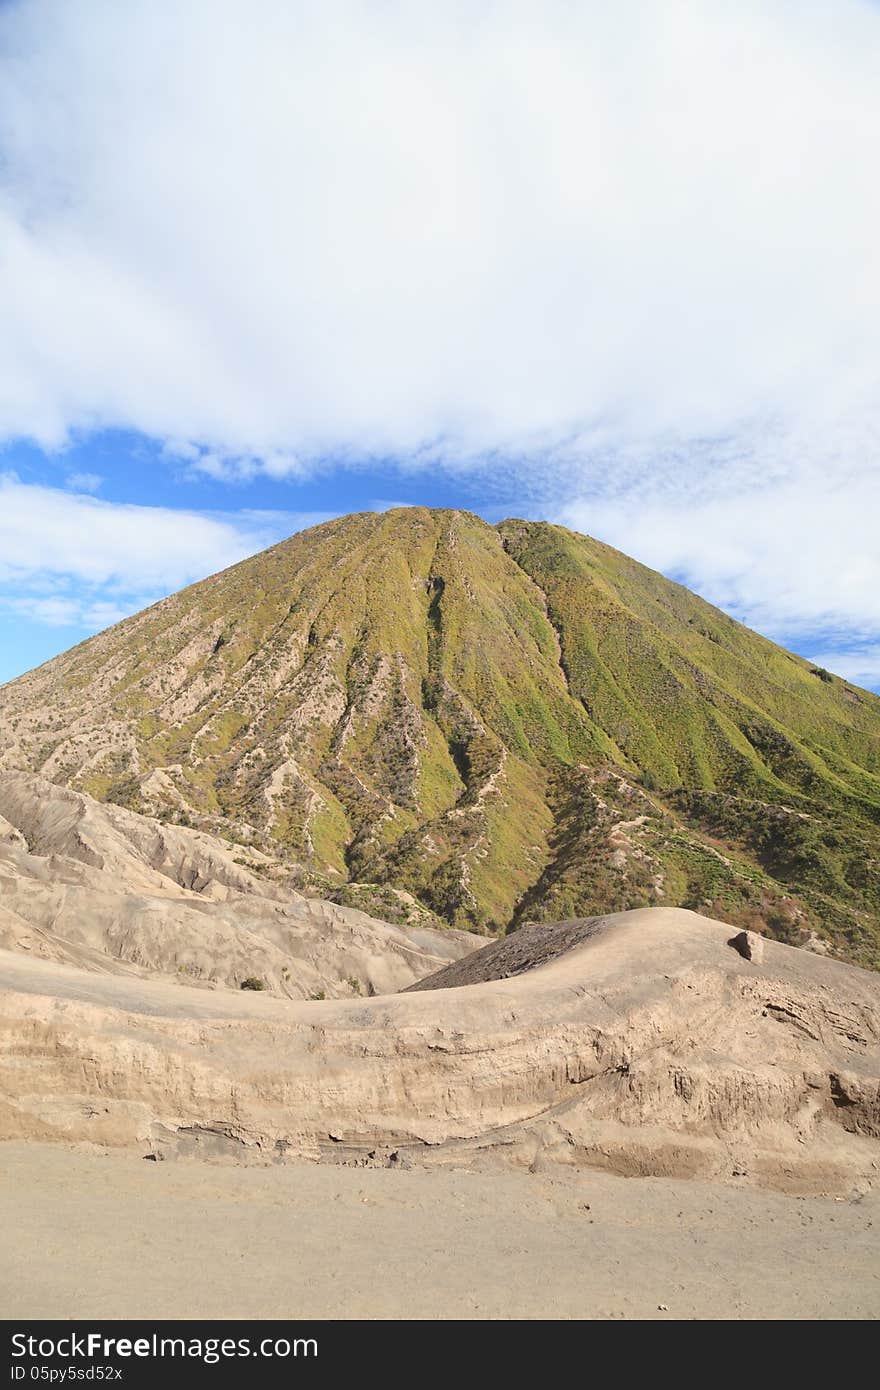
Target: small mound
(535, 944)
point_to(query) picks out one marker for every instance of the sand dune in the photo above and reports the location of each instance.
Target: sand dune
(651, 1047)
(106, 889)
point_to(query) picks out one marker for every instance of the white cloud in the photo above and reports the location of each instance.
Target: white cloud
(84, 482)
(72, 559)
(799, 563)
(273, 231)
(86, 613)
(858, 664)
(46, 531)
(618, 252)
(782, 557)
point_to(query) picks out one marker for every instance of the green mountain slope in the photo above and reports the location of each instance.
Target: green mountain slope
(511, 723)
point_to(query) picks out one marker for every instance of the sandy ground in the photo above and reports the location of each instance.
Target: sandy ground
(91, 1233)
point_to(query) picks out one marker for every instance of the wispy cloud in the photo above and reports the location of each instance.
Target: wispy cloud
(794, 555)
(72, 559)
(72, 611)
(788, 559)
(858, 664)
(84, 482)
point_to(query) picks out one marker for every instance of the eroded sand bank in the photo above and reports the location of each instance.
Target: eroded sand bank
(646, 1047)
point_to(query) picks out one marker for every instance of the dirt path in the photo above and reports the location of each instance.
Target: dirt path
(98, 1234)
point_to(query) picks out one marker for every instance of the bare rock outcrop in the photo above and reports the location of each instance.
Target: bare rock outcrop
(750, 945)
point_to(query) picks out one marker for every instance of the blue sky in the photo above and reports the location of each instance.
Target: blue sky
(608, 265)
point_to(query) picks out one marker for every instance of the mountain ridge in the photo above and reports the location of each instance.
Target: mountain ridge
(510, 723)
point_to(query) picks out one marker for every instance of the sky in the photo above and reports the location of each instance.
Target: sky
(615, 266)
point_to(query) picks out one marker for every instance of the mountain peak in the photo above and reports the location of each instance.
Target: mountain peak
(508, 722)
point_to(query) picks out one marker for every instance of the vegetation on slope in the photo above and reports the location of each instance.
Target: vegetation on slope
(486, 725)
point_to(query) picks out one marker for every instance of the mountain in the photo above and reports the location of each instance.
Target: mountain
(511, 723)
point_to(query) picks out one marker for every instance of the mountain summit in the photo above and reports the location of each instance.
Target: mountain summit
(503, 723)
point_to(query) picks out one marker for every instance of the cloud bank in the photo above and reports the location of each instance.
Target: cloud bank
(285, 229)
(619, 261)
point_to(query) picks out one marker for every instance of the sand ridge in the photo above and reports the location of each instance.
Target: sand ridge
(651, 1047)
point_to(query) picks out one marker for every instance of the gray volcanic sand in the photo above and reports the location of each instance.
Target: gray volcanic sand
(97, 1234)
(119, 894)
